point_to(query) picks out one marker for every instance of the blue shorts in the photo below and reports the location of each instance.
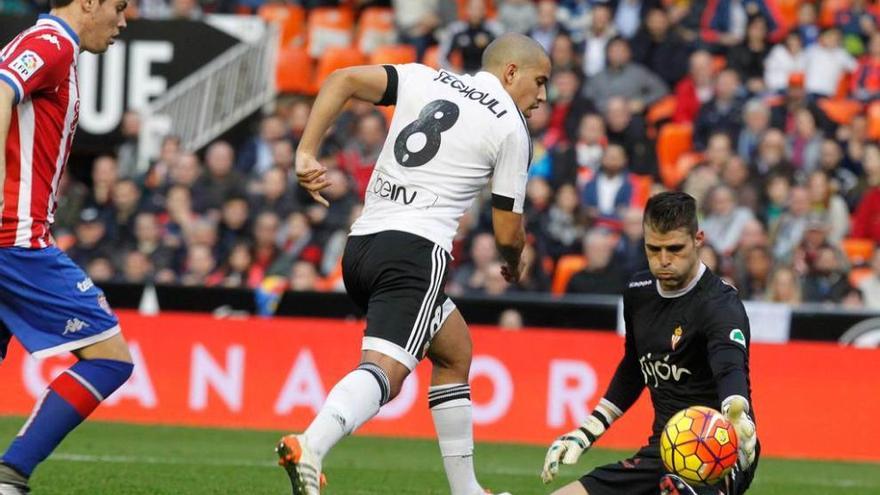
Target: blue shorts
(49, 303)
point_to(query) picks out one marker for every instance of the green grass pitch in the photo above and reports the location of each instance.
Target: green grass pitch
(122, 459)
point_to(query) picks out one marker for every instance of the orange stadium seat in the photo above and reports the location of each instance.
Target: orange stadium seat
(788, 11)
(388, 113)
(463, 5)
(675, 139)
(841, 111)
(337, 58)
(329, 27)
(843, 86)
(431, 58)
(719, 63)
(394, 54)
(829, 10)
(874, 120)
(642, 185)
(295, 72)
(566, 267)
(290, 18)
(857, 275)
(375, 29)
(660, 111)
(858, 251)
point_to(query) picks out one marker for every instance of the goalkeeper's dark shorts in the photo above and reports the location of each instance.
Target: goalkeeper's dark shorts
(640, 475)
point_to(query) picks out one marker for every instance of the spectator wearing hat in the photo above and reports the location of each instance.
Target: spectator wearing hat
(90, 233)
(783, 111)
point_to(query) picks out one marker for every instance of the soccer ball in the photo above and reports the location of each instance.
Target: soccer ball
(699, 445)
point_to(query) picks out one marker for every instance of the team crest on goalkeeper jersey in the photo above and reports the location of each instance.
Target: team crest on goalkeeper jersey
(676, 336)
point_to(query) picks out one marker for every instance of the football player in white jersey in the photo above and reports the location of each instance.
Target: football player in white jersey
(451, 134)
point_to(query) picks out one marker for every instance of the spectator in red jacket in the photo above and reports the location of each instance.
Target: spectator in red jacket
(696, 88)
(866, 78)
(866, 220)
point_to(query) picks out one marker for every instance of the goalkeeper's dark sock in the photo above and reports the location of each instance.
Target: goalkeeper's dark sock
(68, 400)
(453, 420)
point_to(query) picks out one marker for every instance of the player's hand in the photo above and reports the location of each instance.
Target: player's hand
(513, 276)
(312, 176)
(736, 409)
(568, 448)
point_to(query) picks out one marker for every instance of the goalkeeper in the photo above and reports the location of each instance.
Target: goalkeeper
(687, 341)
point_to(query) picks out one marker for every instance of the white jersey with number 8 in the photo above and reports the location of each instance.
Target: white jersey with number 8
(449, 136)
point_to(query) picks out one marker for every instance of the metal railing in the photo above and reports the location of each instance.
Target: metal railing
(212, 99)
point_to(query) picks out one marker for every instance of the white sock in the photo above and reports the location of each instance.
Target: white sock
(352, 402)
(453, 420)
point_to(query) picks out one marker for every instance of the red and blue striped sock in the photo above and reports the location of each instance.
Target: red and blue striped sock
(69, 399)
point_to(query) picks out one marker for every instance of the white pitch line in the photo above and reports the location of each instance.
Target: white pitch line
(511, 471)
(131, 459)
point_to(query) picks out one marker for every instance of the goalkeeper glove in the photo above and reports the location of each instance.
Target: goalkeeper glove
(569, 447)
(736, 409)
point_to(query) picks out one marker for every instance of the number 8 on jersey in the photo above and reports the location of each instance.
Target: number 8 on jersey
(437, 117)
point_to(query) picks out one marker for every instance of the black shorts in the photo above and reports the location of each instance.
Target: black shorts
(640, 475)
(397, 279)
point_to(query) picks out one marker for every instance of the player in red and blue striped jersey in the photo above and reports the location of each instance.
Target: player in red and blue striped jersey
(46, 301)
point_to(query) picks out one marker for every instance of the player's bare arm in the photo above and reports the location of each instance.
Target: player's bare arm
(7, 98)
(510, 238)
(366, 83)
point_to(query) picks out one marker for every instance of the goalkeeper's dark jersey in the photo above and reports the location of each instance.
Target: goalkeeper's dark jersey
(689, 348)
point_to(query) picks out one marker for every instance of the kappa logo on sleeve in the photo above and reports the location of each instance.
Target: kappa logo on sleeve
(51, 38)
(26, 64)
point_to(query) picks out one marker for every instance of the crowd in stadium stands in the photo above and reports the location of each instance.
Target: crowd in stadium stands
(766, 111)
